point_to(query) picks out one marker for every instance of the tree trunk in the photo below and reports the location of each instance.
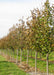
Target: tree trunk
(13, 55)
(0, 52)
(23, 52)
(29, 53)
(10, 55)
(35, 62)
(20, 56)
(27, 56)
(47, 63)
(6, 53)
(17, 57)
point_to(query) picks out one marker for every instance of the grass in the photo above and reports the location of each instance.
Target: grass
(41, 65)
(8, 68)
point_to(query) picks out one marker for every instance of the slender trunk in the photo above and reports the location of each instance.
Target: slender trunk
(23, 52)
(0, 52)
(47, 63)
(27, 56)
(17, 57)
(35, 62)
(10, 55)
(20, 56)
(6, 53)
(29, 53)
(13, 55)
(18, 52)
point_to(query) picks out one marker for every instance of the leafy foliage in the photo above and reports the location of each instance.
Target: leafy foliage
(36, 34)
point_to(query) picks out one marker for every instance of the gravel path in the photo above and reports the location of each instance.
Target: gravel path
(33, 73)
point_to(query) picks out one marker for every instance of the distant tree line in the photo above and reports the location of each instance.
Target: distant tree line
(37, 33)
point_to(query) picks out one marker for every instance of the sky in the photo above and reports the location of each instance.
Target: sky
(12, 10)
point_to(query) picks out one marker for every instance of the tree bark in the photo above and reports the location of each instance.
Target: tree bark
(47, 64)
(23, 52)
(27, 56)
(17, 57)
(35, 62)
(10, 55)
(20, 56)
(6, 53)
(0, 52)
